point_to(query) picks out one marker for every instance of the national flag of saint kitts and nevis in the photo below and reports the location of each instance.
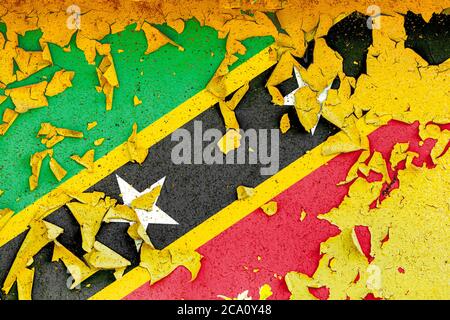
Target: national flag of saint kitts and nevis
(224, 149)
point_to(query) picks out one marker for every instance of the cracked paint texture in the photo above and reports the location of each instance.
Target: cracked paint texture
(409, 240)
(394, 240)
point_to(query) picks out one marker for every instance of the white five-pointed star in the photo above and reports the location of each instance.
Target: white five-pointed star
(155, 215)
(289, 100)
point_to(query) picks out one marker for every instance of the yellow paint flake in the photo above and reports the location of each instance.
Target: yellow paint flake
(281, 73)
(107, 78)
(88, 46)
(400, 153)
(40, 234)
(237, 97)
(103, 49)
(25, 279)
(99, 142)
(47, 129)
(108, 90)
(118, 274)
(137, 232)
(61, 81)
(54, 135)
(285, 123)
(147, 200)
(341, 143)
(331, 108)
(69, 133)
(429, 130)
(353, 172)
(9, 116)
(28, 97)
(175, 23)
(30, 62)
(36, 164)
(50, 143)
(102, 257)
(307, 107)
(229, 116)
(217, 85)
(265, 292)
(136, 151)
(156, 39)
(243, 27)
(89, 218)
(302, 215)
(121, 212)
(227, 107)
(231, 140)
(76, 267)
(92, 198)
(376, 164)
(325, 67)
(7, 54)
(270, 208)
(57, 170)
(87, 160)
(244, 192)
(298, 285)
(91, 125)
(160, 263)
(136, 101)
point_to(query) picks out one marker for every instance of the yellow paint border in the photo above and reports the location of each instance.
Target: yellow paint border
(151, 135)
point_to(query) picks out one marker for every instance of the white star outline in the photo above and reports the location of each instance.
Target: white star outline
(289, 100)
(155, 215)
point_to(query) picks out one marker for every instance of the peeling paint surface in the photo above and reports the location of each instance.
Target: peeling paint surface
(92, 90)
